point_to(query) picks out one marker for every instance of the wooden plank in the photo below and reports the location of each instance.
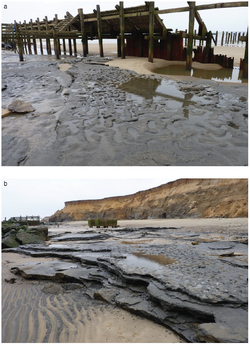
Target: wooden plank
(190, 35)
(151, 32)
(122, 28)
(99, 28)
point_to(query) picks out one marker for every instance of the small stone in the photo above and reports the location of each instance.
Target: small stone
(195, 243)
(18, 106)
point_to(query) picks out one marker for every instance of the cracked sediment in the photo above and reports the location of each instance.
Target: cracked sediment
(94, 114)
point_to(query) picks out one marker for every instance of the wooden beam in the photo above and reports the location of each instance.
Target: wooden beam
(190, 35)
(151, 32)
(99, 28)
(122, 30)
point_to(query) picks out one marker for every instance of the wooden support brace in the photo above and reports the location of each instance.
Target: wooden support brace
(122, 28)
(99, 28)
(83, 32)
(190, 35)
(151, 32)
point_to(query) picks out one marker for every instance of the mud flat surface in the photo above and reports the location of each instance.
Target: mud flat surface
(189, 279)
(93, 114)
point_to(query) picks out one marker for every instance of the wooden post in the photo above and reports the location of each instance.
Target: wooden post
(64, 47)
(56, 48)
(216, 38)
(19, 43)
(151, 32)
(208, 47)
(70, 47)
(47, 39)
(222, 38)
(99, 28)
(28, 40)
(190, 35)
(118, 47)
(34, 40)
(245, 61)
(84, 36)
(74, 45)
(41, 42)
(122, 27)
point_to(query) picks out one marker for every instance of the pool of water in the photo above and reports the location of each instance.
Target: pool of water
(225, 74)
(146, 263)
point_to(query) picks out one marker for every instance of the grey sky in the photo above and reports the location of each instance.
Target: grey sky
(233, 19)
(45, 196)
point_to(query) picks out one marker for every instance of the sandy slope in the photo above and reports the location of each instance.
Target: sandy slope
(32, 316)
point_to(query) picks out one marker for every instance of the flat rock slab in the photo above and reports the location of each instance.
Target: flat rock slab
(19, 106)
(191, 289)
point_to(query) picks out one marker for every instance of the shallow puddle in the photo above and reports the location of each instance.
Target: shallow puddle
(224, 74)
(168, 89)
(147, 262)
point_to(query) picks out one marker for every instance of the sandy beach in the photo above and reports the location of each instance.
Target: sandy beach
(142, 66)
(57, 317)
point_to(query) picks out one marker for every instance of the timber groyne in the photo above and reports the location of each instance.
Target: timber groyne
(139, 31)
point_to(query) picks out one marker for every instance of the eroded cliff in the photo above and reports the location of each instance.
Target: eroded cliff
(184, 198)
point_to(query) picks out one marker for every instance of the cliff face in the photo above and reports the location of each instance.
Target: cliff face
(185, 198)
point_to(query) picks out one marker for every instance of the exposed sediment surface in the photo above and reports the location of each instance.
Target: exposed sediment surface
(188, 279)
(94, 114)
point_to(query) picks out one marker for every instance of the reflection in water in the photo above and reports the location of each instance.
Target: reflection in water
(160, 259)
(150, 88)
(147, 262)
(223, 74)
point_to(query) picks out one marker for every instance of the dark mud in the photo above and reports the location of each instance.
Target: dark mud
(194, 283)
(98, 115)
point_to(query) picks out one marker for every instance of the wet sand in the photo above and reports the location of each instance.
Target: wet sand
(39, 317)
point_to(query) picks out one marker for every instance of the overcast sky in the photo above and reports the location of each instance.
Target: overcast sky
(232, 19)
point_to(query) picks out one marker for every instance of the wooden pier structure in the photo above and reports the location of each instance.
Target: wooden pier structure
(139, 31)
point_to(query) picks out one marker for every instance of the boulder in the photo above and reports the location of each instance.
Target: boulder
(9, 242)
(41, 231)
(25, 237)
(18, 106)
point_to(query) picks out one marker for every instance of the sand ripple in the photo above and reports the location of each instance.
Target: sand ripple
(30, 315)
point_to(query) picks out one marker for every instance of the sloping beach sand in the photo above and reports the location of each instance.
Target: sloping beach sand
(31, 315)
